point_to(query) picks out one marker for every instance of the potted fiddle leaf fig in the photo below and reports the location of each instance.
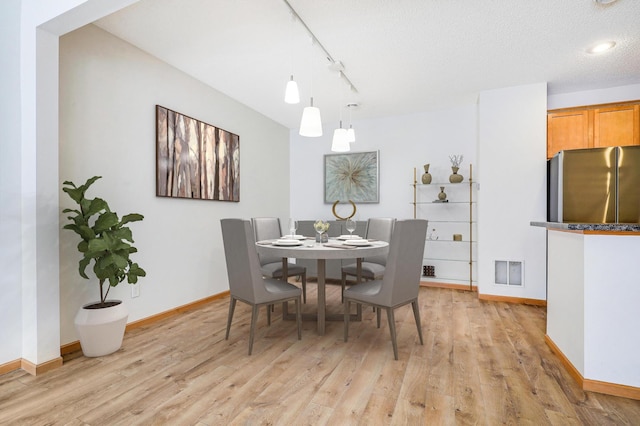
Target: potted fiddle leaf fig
(106, 242)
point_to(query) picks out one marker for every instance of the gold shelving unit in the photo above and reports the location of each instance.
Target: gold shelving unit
(471, 241)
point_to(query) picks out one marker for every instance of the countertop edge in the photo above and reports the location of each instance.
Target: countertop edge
(603, 227)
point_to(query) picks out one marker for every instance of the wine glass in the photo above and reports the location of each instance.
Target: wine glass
(351, 226)
(293, 227)
(320, 227)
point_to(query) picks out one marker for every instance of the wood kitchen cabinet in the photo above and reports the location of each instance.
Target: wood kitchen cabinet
(593, 127)
(567, 130)
(616, 126)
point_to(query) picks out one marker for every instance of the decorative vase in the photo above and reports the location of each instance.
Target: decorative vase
(442, 195)
(455, 177)
(101, 330)
(426, 177)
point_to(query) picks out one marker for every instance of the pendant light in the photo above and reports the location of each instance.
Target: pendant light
(291, 93)
(340, 142)
(311, 122)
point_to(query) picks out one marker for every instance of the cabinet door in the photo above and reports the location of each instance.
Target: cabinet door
(616, 126)
(567, 130)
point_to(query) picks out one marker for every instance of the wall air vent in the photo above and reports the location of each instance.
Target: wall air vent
(509, 272)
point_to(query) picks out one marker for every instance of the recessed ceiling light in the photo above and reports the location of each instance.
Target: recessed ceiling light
(601, 47)
(605, 1)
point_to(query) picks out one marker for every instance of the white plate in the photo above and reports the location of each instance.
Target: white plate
(287, 243)
(360, 242)
(349, 237)
(293, 237)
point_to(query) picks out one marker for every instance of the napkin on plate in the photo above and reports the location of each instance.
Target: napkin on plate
(286, 241)
(360, 242)
(349, 237)
(293, 237)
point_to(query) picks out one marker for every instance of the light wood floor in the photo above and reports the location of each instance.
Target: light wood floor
(482, 363)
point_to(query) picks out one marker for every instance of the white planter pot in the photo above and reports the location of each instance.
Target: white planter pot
(101, 330)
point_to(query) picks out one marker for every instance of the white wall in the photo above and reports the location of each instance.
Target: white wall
(512, 157)
(108, 93)
(594, 97)
(10, 240)
(404, 142)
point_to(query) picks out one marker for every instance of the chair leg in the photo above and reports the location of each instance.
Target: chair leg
(344, 284)
(347, 309)
(416, 315)
(299, 317)
(254, 319)
(304, 287)
(392, 329)
(269, 314)
(232, 307)
(378, 315)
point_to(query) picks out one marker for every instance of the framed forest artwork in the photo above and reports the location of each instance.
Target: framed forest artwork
(352, 177)
(195, 159)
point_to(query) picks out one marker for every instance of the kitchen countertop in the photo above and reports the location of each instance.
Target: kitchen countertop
(607, 227)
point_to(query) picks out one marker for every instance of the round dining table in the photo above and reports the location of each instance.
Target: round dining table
(309, 249)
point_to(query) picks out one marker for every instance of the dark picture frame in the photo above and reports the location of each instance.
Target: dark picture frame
(195, 159)
(352, 177)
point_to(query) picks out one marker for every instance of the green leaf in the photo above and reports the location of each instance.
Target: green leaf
(131, 217)
(96, 206)
(76, 194)
(134, 272)
(82, 266)
(83, 246)
(97, 246)
(123, 234)
(119, 261)
(105, 221)
(137, 270)
(85, 204)
(72, 226)
(86, 233)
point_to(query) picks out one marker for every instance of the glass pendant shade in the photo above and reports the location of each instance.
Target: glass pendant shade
(351, 135)
(291, 93)
(340, 143)
(311, 123)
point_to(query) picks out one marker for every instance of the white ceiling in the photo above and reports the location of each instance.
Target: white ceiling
(403, 56)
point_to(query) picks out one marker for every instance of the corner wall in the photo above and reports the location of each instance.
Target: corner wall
(512, 157)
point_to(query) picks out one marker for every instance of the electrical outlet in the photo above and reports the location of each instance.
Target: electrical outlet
(135, 290)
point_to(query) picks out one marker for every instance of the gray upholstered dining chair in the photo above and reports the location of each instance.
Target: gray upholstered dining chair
(246, 282)
(268, 228)
(401, 281)
(379, 228)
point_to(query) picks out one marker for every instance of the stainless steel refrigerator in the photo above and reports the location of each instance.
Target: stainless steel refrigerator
(599, 185)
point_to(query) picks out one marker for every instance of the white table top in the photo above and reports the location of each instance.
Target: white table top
(312, 250)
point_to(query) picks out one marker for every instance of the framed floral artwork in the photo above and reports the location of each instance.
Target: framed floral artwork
(352, 177)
